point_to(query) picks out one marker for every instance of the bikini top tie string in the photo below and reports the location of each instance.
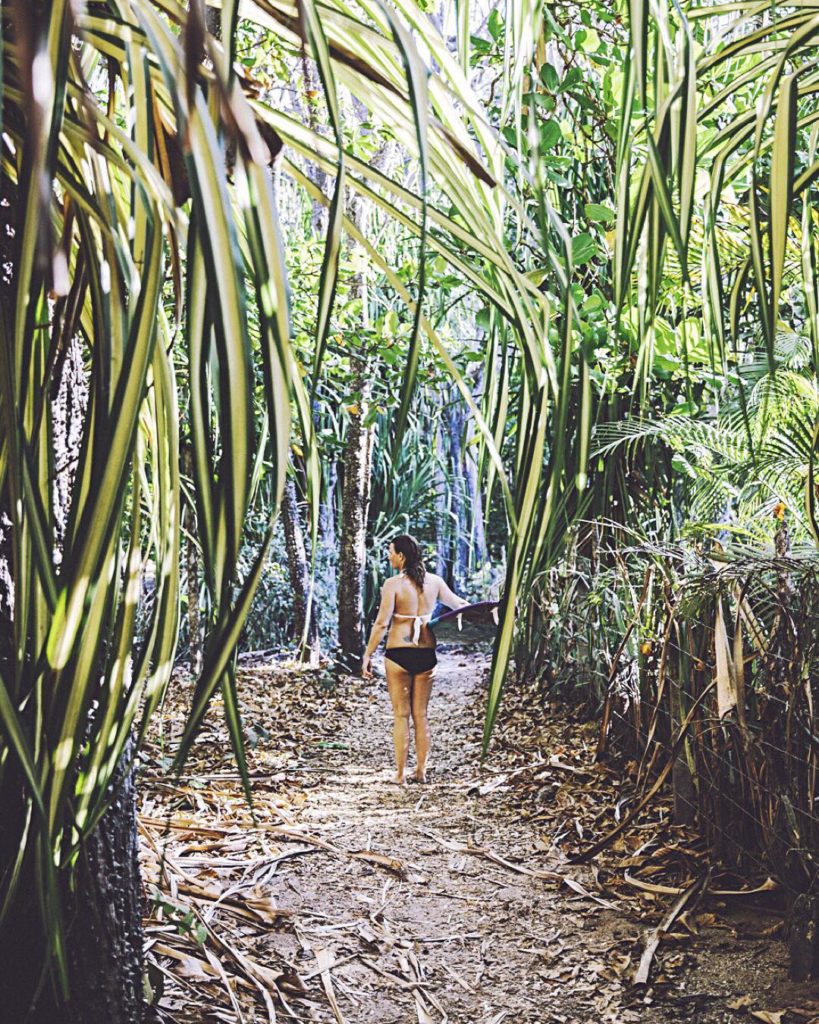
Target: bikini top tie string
(418, 621)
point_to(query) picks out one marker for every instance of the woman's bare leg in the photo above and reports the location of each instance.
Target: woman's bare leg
(421, 689)
(399, 684)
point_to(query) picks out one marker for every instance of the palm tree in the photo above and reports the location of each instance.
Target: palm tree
(721, 95)
(138, 194)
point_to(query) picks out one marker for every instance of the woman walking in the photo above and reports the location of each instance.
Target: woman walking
(407, 603)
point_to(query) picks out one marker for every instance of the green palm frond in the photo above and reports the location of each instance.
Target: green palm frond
(149, 212)
(679, 432)
(754, 88)
(726, 474)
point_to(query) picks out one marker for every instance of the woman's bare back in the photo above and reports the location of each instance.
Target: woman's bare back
(410, 602)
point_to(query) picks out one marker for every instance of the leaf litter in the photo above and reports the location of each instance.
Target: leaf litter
(344, 899)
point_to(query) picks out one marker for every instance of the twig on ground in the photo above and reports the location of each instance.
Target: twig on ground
(688, 900)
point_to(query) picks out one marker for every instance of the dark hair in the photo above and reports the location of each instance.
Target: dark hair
(414, 565)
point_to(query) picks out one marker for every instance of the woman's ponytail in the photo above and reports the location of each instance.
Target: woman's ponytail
(413, 563)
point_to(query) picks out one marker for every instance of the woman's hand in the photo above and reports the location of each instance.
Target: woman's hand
(366, 668)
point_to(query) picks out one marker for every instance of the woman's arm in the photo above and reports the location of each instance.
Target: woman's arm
(382, 621)
(449, 598)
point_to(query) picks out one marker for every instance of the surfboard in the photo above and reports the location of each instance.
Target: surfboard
(474, 623)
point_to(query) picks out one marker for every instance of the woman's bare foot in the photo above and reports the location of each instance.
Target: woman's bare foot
(421, 777)
(399, 780)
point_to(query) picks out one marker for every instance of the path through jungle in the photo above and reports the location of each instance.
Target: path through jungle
(352, 900)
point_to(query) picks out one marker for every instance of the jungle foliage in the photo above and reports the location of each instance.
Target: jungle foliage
(554, 264)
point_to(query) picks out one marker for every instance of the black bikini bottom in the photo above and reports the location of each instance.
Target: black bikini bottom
(414, 660)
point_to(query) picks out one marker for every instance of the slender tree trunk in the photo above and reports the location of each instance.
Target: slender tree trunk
(475, 501)
(355, 491)
(328, 555)
(192, 585)
(477, 536)
(327, 510)
(682, 784)
(319, 177)
(441, 503)
(460, 548)
(354, 508)
(299, 576)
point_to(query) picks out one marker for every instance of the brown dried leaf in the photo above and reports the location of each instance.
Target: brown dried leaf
(741, 1003)
(382, 860)
(191, 969)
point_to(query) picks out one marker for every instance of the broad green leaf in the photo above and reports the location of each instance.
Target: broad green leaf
(596, 212)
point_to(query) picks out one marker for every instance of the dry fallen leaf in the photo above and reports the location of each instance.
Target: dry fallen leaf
(205, 853)
(390, 863)
(193, 970)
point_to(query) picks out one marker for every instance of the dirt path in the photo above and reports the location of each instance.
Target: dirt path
(424, 903)
(488, 940)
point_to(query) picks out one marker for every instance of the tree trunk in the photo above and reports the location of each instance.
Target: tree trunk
(192, 585)
(475, 500)
(327, 509)
(103, 920)
(802, 933)
(105, 941)
(319, 177)
(460, 547)
(354, 507)
(308, 639)
(355, 486)
(6, 594)
(101, 901)
(327, 612)
(477, 536)
(441, 503)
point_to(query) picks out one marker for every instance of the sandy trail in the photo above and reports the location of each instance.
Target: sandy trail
(428, 906)
(486, 938)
